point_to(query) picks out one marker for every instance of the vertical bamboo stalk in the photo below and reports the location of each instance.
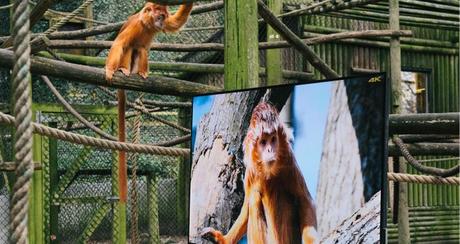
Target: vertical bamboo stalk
(241, 44)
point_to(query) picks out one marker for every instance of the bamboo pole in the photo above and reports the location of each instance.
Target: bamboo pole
(96, 76)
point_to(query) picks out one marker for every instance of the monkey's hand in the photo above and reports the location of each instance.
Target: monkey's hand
(213, 235)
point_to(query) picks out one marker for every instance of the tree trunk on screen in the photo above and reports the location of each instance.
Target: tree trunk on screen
(362, 227)
(217, 172)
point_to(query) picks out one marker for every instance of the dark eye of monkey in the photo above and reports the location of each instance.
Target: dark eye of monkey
(273, 139)
(263, 142)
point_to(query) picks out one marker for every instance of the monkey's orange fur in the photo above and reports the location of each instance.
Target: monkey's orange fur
(277, 206)
(129, 51)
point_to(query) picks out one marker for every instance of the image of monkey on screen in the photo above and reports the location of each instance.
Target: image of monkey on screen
(289, 164)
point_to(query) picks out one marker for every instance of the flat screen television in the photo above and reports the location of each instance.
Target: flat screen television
(297, 163)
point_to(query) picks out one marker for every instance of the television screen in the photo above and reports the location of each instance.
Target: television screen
(297, 163)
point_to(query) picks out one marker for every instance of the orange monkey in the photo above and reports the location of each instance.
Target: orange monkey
(129, 51)
(277, 206)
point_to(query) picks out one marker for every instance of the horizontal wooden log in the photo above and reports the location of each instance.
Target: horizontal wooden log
(180, 67)
(403, 21)
(413, 11)
(80, 44)
(432, 21)
(429, 138)
(96, 76)
(361, 227)
(427, 149)
(172, 2)
(428, 123)
(98, 30)
(405, 39)
(381, 44)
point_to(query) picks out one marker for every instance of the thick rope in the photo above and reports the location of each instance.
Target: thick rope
(22, 123)
(74, 112)
(96, 142)
(422, 168)
(134, 209)
(68, 17)
(424, 179)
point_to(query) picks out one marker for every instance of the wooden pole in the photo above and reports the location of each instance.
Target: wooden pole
(273, 59)
(295, 41)
(241, 44)
(395, 76)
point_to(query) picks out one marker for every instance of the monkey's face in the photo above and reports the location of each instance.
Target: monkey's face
(155, 15)
(267, 148)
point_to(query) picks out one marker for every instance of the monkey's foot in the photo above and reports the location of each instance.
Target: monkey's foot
(109, 75)
(144, 74)
(125, 71)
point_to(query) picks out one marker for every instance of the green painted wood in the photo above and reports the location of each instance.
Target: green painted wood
(84, 109)
(241, 44)
(52, 182)
(183, 178)
(430, 225)
(274, 64)
(119, 208)
(97, 218)
(72, 171)
(152, 195)
(443, 96)
(36, 195)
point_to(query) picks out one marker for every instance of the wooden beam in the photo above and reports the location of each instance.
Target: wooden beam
(295, 41)
(78, 34)
(427, 123)
(426, 149)
(96, 76)
(179, 67)
(241, 44)
(81, 44)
